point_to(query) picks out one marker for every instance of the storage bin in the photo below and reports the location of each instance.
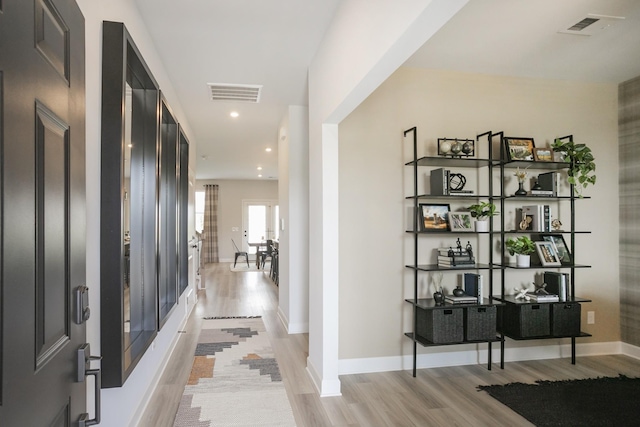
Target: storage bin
(526, 320)
(480, 323)
(565, 319)
(441, 326)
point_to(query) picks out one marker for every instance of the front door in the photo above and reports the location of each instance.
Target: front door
(42, 165)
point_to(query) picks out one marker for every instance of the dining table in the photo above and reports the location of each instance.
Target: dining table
(258, 246)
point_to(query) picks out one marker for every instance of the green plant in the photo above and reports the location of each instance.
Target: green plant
(521, 246)
(483, 210)
(582, 166)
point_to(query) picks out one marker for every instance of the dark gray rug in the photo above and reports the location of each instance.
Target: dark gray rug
(590, 402)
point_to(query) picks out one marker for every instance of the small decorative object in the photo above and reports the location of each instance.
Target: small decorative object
(536, 186)
(521, 175)
(582, 164)
(543, 154)
(458, 292)
(456, 147)
(434, 217)
(522, 247)
(519, 149)
(438, 297)
(524, 224)
(460, 221)
(540, 289)
(522, 293)
(556, 224)
(457, 181)
(482, 211)
(548, 255)
(469, 248)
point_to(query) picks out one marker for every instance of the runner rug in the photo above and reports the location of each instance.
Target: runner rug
(235, 379)
(590, 402)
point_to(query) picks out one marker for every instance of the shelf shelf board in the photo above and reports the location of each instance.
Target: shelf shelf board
(536, 165)
(426, 343)
(538, 266)
(430, 304)
(436, 267)
(511, 299)
(544, 232)
(520, 198)
(450, 196)
(548, 337)
(463, 162)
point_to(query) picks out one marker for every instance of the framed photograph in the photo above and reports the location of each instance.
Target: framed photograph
(548, 255)
(434, 217)
(460, 221)
(564, 255)
(543, 154)
(519, 148)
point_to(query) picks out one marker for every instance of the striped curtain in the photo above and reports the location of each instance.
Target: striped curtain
(210, 243)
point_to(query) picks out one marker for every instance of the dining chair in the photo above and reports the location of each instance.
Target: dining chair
(240, 253)
(267, 254)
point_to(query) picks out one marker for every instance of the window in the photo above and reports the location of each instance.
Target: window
(199, 211)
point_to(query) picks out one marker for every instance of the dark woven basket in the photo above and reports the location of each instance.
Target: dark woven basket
(441, 326)
(565, 319)
(480, 323)
(527, 320)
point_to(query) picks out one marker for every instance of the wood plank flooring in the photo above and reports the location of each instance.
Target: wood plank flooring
(436, 397)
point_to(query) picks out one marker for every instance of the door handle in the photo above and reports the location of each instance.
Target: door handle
(84, 370)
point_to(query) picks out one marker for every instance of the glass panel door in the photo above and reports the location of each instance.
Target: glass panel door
(259, 223)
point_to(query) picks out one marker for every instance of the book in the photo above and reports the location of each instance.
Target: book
(549, 182)
(457, 258)
(542, 193)
(557, 283)
(439, 179)
(543, 297)
(445, 251)
(465, 299)
(540, 217)
(473, 285)
(463, 265)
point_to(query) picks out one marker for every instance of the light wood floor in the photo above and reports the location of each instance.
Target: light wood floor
(436, 397)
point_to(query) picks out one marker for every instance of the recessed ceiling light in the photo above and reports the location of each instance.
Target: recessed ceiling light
(268, 150)
(259, 168)
(234, 114)
(260, 176)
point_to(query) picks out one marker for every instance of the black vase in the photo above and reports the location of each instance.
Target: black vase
(438, 297)
(458, 292)
(521, 191)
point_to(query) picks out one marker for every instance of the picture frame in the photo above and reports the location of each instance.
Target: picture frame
(434, 217)
(519, 149)
(460, 222)
(547, 253)
(562, 250)
(543, 154)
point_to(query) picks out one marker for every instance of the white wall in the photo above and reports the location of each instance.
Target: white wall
(373, 212)
(231, 193)
(121, 406)
(366, 42)
(293, 185)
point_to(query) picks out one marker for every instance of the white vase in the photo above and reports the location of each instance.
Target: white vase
(482, 226)
(523, 260)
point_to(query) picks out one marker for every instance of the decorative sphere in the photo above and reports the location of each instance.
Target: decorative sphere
(445, 147)
(467, 148)
(456, 148)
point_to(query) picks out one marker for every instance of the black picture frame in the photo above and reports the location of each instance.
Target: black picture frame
(564, 254)
(519, 149)
(434, 217)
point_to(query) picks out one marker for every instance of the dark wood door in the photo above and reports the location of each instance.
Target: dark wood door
(42, 131)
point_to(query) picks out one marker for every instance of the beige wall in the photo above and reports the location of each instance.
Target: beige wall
(231, 193)
(373, 244)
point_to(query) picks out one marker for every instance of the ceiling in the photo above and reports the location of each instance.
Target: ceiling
(271, 43)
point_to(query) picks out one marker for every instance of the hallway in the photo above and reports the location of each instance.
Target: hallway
(437, 397)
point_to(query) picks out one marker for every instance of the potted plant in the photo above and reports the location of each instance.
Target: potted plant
(482, 211)
(582, 164)
(522, 247)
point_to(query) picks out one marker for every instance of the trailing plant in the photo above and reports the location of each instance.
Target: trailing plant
(582, 167)
(483, 210)
(521, 246)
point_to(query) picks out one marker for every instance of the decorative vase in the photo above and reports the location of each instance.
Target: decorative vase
(482, 225)
(523, 260)
(438, 297)
(458, 292)
(521, 191)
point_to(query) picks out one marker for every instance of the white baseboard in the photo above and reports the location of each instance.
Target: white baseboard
(479, 355)
(325, 388)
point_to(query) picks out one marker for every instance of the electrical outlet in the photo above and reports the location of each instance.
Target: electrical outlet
(591, 317)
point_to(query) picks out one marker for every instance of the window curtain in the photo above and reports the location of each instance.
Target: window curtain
(210, 242)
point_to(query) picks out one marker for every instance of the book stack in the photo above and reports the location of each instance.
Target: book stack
(464, 299)
(548, 183)
(540, 216)
(451, 258)
(543, 297)
(473, 286)
(557, 283)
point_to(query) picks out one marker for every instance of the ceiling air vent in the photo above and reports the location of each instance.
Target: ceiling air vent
(235, 92)
(591, 25)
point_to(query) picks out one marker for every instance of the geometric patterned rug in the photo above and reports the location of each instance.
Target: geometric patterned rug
(235, 379)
